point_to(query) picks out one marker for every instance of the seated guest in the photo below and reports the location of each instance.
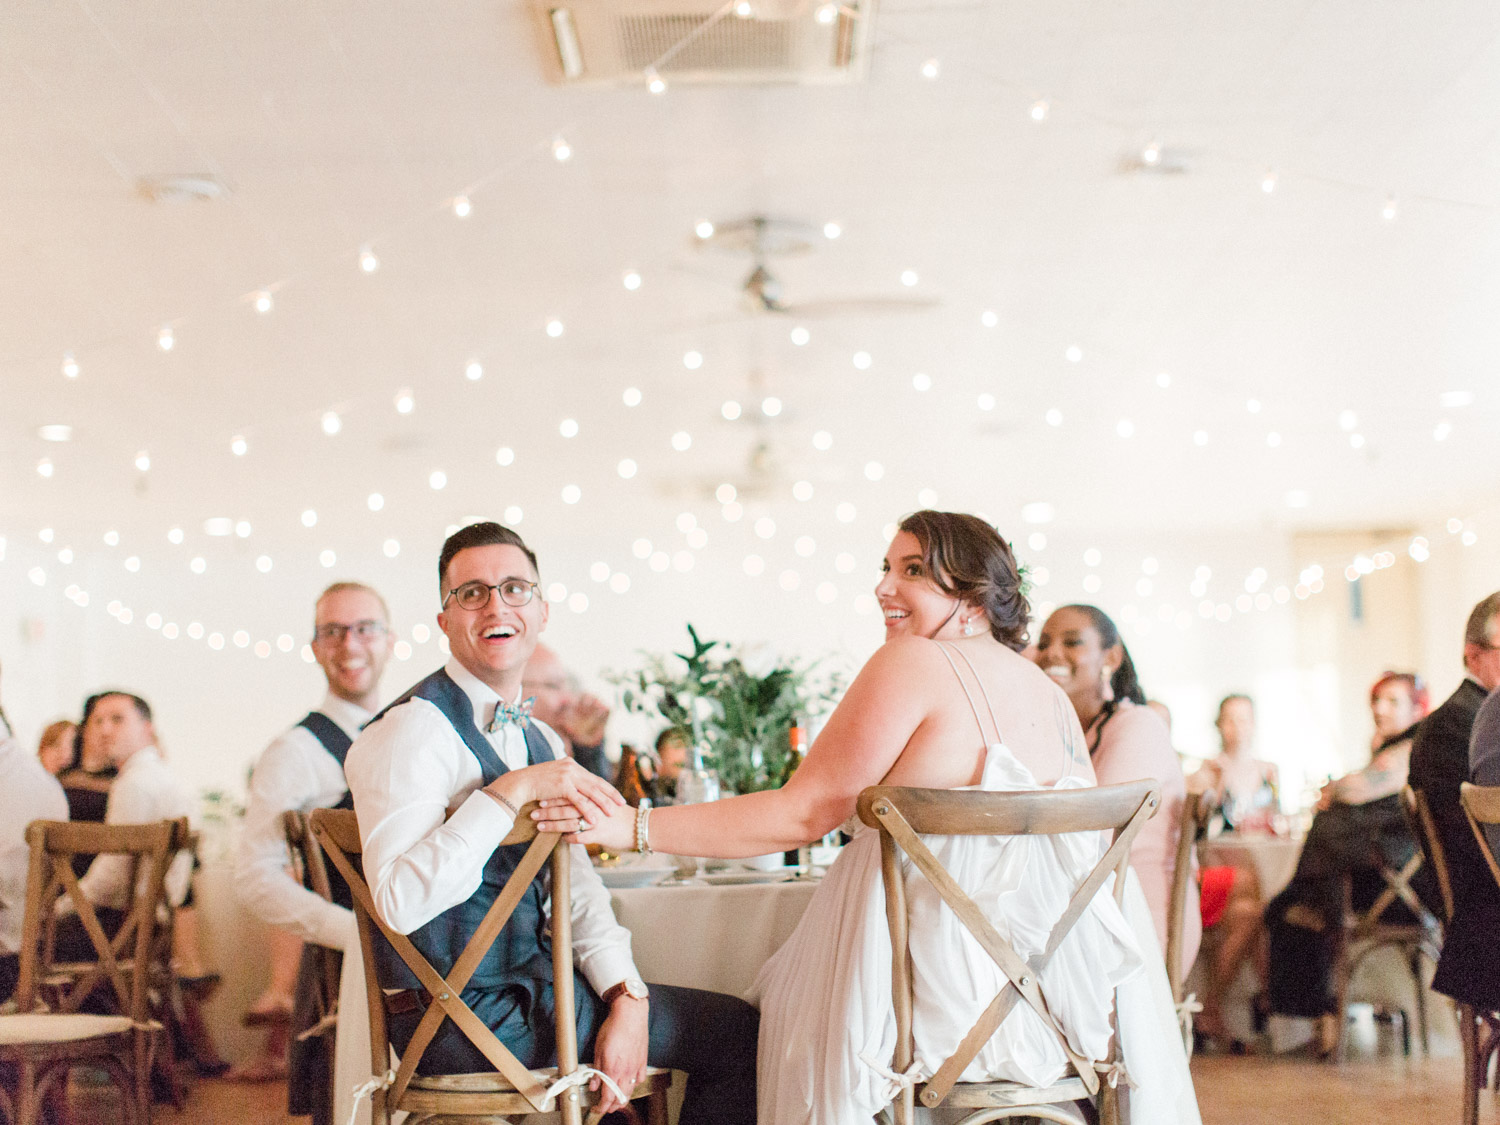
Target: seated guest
(1246, 786)
(1359, 827)
(87, 782)
(1484, 757)
(27, 793)
(1081, 649)
(1468, 970)
(57, 749)
(119, 725)
(673, 747)
(438, 779)
(577, 717)
(302, 770)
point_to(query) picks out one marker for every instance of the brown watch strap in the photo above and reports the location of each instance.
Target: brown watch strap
(614, 992)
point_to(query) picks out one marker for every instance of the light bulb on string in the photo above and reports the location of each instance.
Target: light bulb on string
(332, 423)
(554, 327)
(704, 229)
(744, 10)
(143, 461)
(655, 83)
(367, 260)
(632, 280)
(462, 208)
(405, 402)
(826, 14)
(264, 302)
(69, 366)
(561, 150)
(1390, 210)
(474, 371)
(800, 336)
(909, 278)
(1039, 110)
(165, 340)
(44, 467)
(1268, 182)
(832, 230)
(931, 69)
(1151, 154)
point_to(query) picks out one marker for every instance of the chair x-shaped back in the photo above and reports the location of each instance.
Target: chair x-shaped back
(338, 832)
(308, 860)
(903, 815)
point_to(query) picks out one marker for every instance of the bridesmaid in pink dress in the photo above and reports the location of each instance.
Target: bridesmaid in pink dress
(1081, 649)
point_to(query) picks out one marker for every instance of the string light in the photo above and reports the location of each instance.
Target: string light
(704, 229)
(826, 13)
(744, 10)
(874, 470)
(263, 564)
(263, 302)
(375, 501)
(832, 231)
(568, 427)
(238, 446)
(1125, 428)
(437, 480)
(632, 280)
(1151, 154)
(909, 278)
(1039, 110)
(561, 150)
(1163, 380)
(682, 441)
(1268, 182)
(44, 467)
(391, 548)
(198, 564)
(725, 493)
(462, 208)
(800, 336)
(765, 527)
(571, 494)
(165, 340)
(730, 410)
(626, 468)
(989, 318)
(986, 401)
(554, 328)
(822, 441)
(862, 361)
(473, 371)
(1054, 417)
(405, 402)
(505, 455)
(692, 360)
(309, 518)
(655, 83)
(143, 461)
(69, 366)
(631, 396)
(368, 261)
(111, 538)
(1074, 354)
(921, 382)
(332, 423)
(1389, 211)
(931, 69)
(770, 406)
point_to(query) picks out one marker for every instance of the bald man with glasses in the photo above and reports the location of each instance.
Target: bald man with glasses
(304, 770)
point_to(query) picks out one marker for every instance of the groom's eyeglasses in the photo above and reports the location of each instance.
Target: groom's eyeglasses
(360, 630)
(473, 596)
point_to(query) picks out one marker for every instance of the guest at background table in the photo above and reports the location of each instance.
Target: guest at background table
(1358, 827)
(1484, 756)
(653, 776)
(1468, 970)
(57, 749)
(1245, 785)
(1081, 650)
(88, 781)
(27, 792)
(302, 770)
(577, 717)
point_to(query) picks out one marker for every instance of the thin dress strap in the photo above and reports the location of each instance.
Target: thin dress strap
(943, 648)
(984, 691)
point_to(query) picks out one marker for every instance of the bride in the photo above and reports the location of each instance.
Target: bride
(947, 702)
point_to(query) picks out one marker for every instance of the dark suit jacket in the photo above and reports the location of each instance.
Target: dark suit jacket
(1468, 971)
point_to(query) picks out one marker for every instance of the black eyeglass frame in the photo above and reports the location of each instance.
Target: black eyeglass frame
(367, 630)
(490, 590)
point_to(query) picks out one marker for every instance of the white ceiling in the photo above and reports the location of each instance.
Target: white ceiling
(337, 125)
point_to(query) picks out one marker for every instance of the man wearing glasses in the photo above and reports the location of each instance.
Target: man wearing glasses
(304, 770)
(463, 741)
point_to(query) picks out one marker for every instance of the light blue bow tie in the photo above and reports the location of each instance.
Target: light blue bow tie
(505, 713)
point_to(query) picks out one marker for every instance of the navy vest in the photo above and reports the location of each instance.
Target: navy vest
(337, 743)
(522, 954)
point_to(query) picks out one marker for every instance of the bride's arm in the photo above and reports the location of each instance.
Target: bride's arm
(864, 736)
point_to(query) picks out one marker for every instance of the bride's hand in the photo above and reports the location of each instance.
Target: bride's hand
(614, 832)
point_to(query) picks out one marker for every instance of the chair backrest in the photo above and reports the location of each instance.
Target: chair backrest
(904, 814)
(1419, 815)
(312, 870)
(1397, 886)
(337, 830)
(1482, 806)
(123, 960)
(1195, 812)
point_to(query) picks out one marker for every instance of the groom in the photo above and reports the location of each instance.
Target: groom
(462, 740)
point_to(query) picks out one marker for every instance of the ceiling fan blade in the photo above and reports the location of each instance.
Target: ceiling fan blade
(859, 306)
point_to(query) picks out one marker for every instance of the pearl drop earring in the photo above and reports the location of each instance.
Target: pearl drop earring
(968, 628)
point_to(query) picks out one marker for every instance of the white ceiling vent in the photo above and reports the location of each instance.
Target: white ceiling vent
(632, 42)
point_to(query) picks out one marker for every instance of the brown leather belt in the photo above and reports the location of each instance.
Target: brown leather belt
(409, 1000)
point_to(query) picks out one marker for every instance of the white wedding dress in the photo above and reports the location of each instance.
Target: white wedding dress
(828, 1030)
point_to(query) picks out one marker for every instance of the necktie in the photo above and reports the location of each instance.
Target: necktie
(505, 713)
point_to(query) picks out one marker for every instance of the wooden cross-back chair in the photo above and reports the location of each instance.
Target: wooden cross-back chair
(1478, 1030)
(1195, 812)
(903, 815)
(312, 872)
(44, 1039)
(1364, 932)
(511, 1088)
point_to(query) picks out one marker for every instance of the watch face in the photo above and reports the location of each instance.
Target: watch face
(636, 989)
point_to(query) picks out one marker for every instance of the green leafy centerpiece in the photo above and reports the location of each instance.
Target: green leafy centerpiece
(741, 719)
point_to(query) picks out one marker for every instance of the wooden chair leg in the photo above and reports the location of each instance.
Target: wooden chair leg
(1421, 993)
(656, 1108)
(1468, 1035)
(28, 1107)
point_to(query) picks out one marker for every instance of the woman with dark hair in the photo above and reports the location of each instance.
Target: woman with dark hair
(1081, 649)
(947, 702)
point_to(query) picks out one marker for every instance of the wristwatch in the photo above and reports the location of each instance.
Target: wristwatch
(631, 986)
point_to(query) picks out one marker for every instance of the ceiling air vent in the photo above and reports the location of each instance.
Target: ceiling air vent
(632, 42)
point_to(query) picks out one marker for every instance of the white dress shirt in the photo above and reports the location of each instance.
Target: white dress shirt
(295, 772)
(27, 793)
(145, 791)
(428, 831)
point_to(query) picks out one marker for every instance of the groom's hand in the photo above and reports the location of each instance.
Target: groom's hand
(620, 1049)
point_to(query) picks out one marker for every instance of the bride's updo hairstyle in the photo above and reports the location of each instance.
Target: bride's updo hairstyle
(966, 559)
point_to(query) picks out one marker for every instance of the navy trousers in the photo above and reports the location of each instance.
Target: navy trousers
(709, 1035)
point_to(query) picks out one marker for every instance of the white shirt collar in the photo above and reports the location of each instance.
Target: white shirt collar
(141, 756)
(481, 695)
(349, 716)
